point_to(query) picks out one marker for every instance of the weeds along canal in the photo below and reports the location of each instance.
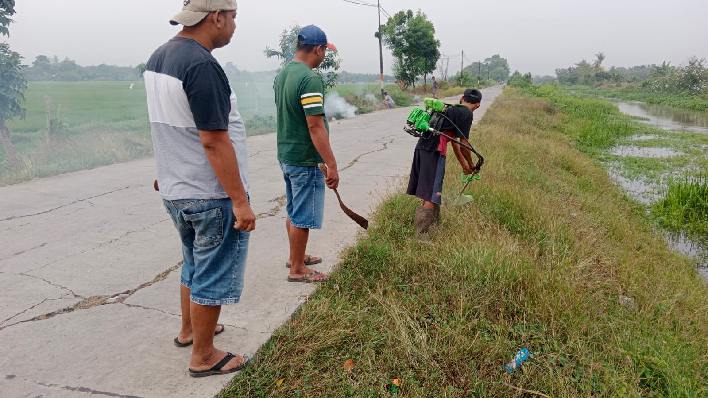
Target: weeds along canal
(674, 148)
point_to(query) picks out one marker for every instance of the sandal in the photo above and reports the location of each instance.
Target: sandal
(312, 277)
(217, 369)
(309, 260)
(217, 332)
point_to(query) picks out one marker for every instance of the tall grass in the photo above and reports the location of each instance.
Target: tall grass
(685, 206)
(594, 124)
(546, 257)
(634, 93)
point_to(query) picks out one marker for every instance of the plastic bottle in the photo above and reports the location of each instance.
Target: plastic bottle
(522, 356)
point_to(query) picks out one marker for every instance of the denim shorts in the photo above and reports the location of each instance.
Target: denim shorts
(214, 251)
(305, 191)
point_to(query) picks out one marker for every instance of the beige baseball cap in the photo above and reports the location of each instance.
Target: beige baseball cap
(195, 11)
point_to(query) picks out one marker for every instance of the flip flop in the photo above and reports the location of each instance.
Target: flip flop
(312, 277)
(217, 369)
(182, 345)
(309, 260)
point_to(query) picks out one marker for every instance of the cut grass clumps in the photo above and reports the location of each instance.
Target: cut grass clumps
(685, 206)
(546, 257)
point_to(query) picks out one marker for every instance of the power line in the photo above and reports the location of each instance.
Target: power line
(360, 3)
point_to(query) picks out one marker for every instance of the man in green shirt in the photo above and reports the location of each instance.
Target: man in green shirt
(303, 143)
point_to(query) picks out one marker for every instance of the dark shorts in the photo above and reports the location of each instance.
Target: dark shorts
(427, 176)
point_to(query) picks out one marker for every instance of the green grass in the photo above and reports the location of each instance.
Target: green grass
(634, 93)
(685, 206)
(540, 259)
(101, 123)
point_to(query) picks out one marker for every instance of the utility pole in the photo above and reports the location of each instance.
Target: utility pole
(381, 78)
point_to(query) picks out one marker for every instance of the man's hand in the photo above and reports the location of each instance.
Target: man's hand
(332, 177)
(245, 218)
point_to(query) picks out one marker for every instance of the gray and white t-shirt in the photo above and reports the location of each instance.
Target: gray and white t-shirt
(187, 91)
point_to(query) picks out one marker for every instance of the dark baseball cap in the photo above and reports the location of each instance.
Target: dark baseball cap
(314, 36)
(472, 95)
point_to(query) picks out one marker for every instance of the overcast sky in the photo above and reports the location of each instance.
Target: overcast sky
(536, 36)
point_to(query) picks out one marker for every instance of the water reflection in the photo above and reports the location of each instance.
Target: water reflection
(648, 192)
(666, 117)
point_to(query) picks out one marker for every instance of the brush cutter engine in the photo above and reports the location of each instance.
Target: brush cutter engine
(420, 121)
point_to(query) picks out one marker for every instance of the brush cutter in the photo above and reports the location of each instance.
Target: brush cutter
(418, 125)
(463, 199)
(363, 222)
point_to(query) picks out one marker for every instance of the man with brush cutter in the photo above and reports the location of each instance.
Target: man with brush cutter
(453, 122)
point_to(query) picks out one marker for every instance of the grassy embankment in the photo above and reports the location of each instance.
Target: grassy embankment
(551, 256)
(635, 93)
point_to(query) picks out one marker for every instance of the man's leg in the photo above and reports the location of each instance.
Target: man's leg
(298, 238)
(204, 354)
(185, 332)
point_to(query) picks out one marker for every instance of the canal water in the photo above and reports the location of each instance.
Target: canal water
(669, 119)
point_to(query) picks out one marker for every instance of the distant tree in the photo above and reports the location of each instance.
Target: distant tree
(495, 68)
(140, 69)
(519, 80)
(286, 52)
(12, 83)
(7, 10)
(411, 38)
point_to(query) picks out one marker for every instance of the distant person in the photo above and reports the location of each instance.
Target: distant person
(435, 87)
(428, 170)
(389, 103)
(199, 167)
(303, 143)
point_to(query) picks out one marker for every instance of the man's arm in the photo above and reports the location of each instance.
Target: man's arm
(222, 157)
(468, 154)
(320, 138)
(465, 162)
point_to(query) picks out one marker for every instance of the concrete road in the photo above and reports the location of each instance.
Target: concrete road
(89, 268)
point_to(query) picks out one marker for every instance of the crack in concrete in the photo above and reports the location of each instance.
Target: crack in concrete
(84, 390)
(50, 283)
(29, 309)
(142, 307)
(260, 152)
(280, 203)
(100, 245)
(384, 146)
(95, 301)
(65, 205)
(25, 251)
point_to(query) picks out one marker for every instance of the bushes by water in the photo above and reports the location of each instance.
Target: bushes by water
(685, 206)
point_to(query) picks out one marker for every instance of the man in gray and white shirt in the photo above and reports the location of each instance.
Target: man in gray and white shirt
(199, 142)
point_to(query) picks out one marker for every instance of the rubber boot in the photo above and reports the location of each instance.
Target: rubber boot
(424, 219)
(437, 215)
